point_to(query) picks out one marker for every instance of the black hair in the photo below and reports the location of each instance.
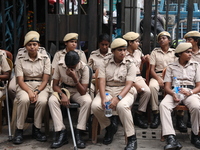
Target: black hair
(194, 38)
(72, 58)
(104, 37)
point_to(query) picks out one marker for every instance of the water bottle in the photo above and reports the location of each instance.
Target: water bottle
(108, 111)
(176, 89)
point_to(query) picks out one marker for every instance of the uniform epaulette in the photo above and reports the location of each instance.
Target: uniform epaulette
(94, 52)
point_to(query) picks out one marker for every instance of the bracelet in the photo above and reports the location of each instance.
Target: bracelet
(37, 91)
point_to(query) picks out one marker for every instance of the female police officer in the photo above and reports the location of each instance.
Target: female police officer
(188, 73)
(116, 76)
(32, 72)
(74, 75)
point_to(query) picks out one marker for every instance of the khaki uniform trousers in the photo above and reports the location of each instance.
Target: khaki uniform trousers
(123, 110)
(12, 89)
(144, 96)
(23, 103)
(166, 107)
(84, 111)
(154, 88)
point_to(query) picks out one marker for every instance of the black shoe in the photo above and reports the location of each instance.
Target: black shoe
(180, 125)
(156, 121)
(80, 143)
(132, 143)
(18, 139)
(189, 123)
(139, 121)
(110, 131)
(114, 120)
(195, 140)
(36, 134)
(172, 143)
(61, 140)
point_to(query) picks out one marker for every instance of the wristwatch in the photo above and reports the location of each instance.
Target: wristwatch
(119, 97)
(37, 91)
(191, 92)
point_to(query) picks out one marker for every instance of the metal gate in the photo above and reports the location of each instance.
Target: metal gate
(54, 18)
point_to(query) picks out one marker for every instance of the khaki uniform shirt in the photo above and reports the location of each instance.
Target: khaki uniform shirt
(196, 57)
(82, 73)
(96, 58)
(160, 59)
(4, 66)
(117, 75)
(187, 75)
(22, 51)
(61, 55)
(136, 59)
(30, 69)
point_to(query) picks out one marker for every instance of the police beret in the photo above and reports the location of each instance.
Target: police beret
(65, 91)
(131, 36)
(70, 36)
(163, 33)
(118, 42)
(192, 34)
(31, 36)
(183, 47)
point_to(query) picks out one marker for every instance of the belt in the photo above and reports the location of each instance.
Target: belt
(138, 75)
(186, 86)
(32, 80)
(159, 72)
(65, 85)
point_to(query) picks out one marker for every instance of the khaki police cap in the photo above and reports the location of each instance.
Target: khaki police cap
(131, 36)
(65, 91)
(70, 36)
(118, 42)
(31, 36)
(163, 33)
(192, 34)
(183, 47)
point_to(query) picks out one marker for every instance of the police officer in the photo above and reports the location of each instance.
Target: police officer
(4, 72)
(74, 75)
(116, 76)
(188, 73)
(70, 41)
(193, 37)
(159, 59)
(136, 56)
(32, 73)
(21, 51)
(96, 56)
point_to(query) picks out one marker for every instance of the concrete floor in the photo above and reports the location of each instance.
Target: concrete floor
(147, 139)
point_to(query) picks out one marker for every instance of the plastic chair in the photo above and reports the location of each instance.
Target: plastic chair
(5, 97)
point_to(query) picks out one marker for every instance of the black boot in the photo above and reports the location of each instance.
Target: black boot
(18, 139)
(80, 143)
(132, 143)
(139, 121)
(180, 125)
(114, 121)
(36, 134)
(172, 143)
(156, 121)
(61, 140)
(195, 140)
(110, 131)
